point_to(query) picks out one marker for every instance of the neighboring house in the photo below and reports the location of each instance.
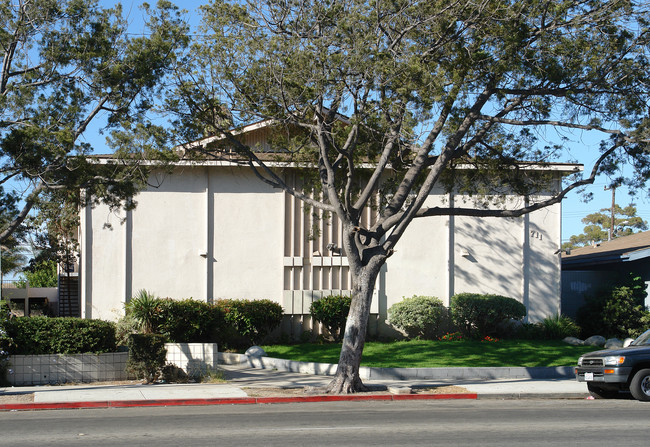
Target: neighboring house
(586, 269)
(213, 230)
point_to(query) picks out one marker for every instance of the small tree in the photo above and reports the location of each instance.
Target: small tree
(597, 227)
(41, 275)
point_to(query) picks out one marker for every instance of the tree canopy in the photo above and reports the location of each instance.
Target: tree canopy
(66, 64)
(11, 258)
(386, 99)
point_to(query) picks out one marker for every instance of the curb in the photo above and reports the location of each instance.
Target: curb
(521, 396)
(230, 401)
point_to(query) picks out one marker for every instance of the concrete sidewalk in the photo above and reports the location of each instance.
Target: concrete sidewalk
(240, 378)
(247, 377)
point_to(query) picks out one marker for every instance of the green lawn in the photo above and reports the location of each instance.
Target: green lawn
(435, 354)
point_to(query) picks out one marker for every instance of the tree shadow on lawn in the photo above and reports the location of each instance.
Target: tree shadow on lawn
(472, 354)
(438, 354)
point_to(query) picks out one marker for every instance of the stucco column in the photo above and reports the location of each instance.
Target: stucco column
(209, 235)
(525, 265)
(128, 257)
(451, 252)
(86, 246)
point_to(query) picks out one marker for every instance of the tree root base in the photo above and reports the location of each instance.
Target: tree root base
(345, 385)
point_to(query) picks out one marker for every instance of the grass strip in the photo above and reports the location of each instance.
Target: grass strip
(437, 354)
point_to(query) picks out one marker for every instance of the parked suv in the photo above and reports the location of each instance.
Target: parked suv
(610, 371)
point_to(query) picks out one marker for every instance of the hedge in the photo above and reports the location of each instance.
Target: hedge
(190, 321)
(478, 315)
(47, 335)
(252, 319)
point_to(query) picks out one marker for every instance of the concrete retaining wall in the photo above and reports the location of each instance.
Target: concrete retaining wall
(64, 368)
(194, 358)
(328, 369)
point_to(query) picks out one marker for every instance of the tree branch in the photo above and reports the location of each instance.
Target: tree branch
(513, 122)
(20, 218)
(438, 211)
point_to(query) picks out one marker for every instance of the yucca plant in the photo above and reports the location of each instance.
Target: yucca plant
(144, 308)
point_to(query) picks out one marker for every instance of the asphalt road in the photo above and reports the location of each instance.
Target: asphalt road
(489, 423)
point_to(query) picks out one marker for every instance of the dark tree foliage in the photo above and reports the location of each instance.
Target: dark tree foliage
(615, 311)
(66, 64)
(386, 100)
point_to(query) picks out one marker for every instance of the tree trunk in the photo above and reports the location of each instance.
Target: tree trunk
(347, 380)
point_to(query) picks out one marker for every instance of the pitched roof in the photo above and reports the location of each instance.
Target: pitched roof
(622, 249)
(229, 157)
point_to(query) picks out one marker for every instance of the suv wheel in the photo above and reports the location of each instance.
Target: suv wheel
(601, 393)
(640, 385)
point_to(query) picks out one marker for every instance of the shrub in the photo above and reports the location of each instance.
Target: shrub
(147, 355)
(558, 327)
(418, 316)
(617, 311)
(527, 331)
(173, 374)
(187, 321)
(124, 327)
(181, 321)
(479, 315)
(555, 327)
(191, 321)
(644, 324)
(332, 311)
(45, 335)
(6, 342)
(252, 319)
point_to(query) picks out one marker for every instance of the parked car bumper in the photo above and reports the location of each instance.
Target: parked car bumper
(609, 374)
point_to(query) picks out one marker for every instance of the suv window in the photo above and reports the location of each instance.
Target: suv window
(643, 339)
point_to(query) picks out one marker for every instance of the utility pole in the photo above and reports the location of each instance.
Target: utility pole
(611, 222)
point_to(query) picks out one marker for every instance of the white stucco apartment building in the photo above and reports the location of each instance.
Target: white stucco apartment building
(213, 230)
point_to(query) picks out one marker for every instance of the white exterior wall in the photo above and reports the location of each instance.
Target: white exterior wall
(169, 264)
(248, 237)
(420, 264)
(219, 232)
(514, 257)
(202, 234)
(103, 279)
(544, 267)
